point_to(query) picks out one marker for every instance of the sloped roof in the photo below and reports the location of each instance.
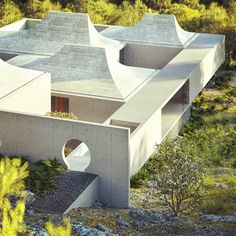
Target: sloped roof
(12, 78)
(90, 71)
(53, 32)
(153, 29)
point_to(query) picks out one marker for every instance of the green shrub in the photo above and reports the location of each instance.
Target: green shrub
(43, 176)
(179, 177)
(63, 115)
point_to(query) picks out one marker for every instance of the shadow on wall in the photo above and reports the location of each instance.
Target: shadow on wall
(76, 155)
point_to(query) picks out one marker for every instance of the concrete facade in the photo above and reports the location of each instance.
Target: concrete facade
(131, 88)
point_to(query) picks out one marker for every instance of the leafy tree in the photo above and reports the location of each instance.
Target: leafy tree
(40, 8)
(179, 177)
(9, 12)
(157, 4)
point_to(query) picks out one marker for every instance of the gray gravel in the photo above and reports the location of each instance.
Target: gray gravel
(70, 185)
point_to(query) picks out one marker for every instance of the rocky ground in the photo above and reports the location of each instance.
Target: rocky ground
(156, 220)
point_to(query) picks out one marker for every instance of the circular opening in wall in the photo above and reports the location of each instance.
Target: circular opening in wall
(76, 155)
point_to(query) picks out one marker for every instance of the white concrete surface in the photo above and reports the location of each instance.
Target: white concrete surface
(42, 138)
(24, 90)
(88, 197)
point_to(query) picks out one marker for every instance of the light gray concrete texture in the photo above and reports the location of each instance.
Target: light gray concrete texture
(148, 55)
(188, 64)
(90, 71)
(152, 29)
(39, 137)
(24, 90)
(88, 197)
(52, 33)
(90, 108)
(197, 62)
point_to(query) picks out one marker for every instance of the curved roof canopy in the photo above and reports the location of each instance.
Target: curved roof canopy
(13, 78)
(90, 71)
(153, 29)
(52, 33)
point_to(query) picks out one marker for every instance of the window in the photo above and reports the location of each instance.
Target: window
(59, 104)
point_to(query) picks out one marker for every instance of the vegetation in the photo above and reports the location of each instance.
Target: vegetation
(53, 230)
(43, 176)
(63, 115)
(218, 16)
(12, 176)
(210, 135)
(179, 177)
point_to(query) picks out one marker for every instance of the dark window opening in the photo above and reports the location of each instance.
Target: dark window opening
(59, 104)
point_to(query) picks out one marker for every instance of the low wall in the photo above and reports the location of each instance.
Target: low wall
(147, 55)
(39, 137)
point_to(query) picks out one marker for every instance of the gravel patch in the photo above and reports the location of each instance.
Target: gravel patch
(70, 185)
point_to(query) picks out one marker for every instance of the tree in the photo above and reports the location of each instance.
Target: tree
(9, 12)
(40, 8)
(179, 177)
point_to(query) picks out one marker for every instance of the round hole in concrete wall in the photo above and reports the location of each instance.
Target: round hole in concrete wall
(76, 155)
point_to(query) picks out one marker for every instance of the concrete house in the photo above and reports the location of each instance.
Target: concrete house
(131, 87)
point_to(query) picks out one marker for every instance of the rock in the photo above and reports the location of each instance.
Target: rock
(29, 197)
(103, 228)
(37, 230)
(216, 218)
(97, 204)
(119, 217)
(152, 184)
(82, 230)
(136, 213)
(221, 186)
(122, 224)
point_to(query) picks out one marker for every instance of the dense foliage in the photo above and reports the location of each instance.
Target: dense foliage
(42, 177)
(194, 15)
(12, 176)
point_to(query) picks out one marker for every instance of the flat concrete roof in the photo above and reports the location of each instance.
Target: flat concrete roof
(158, 91)
(13, 78)
(53, 32)
(87, 70)
(153, 29)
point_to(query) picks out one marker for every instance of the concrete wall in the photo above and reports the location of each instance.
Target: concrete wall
(87, 198)
(89, 108)
(201, 75)
(143, 141)
(43, 138)
(34, 97)
(148, 56)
